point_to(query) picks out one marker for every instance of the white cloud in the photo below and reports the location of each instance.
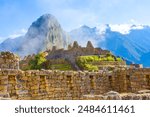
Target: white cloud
(133, 21)
(75, 18)
(70, 13)
(2, 39)
(101, 28)
(124, 28)
(14, 35)
(17, 33)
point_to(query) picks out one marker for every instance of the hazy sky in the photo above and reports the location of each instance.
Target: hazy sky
(17, 15)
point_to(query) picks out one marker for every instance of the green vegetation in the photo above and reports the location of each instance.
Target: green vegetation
(119, 59)
(94, 58)
(36, 63)
(40, 62)
(62, 67)
(90, 67)
(89, 63)
(57, 64)
(85, 62)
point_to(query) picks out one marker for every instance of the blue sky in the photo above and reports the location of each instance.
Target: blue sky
(17, 15)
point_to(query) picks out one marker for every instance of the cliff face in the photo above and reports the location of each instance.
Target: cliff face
(42, 35)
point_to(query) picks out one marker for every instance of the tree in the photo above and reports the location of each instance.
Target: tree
(36, 63)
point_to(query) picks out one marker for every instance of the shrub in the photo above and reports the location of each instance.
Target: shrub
(36, 63)
(119, 59)
(110, 58)
(91, 67)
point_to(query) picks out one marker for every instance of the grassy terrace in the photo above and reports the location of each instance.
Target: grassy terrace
(40, 62)
(85, 62)
(62, 67)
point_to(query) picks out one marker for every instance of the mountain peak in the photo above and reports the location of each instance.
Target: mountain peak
(47, 15)
(84, 26)
(42, 35)
(47, 20)
(44, 24)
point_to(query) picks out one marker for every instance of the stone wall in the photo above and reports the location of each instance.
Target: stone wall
(70, 85)
(73, 52)
(9, 61)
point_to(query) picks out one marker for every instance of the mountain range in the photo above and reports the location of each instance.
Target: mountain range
(128, 41)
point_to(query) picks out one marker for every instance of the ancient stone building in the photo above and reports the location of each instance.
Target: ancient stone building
(69, 55)
(76, 51)
(9, 60)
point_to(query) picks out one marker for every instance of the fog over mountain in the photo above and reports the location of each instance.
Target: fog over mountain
(43, 34)
(128, 41)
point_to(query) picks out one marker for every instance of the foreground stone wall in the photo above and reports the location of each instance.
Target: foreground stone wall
(17, 84)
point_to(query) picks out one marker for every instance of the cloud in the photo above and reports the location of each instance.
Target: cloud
(17, 33)
(133, 21)
(125, 28)
(2, 39)
(74, 18)
(122, 28)
(70, 13)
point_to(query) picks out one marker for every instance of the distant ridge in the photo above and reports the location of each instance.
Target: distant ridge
(129, 41)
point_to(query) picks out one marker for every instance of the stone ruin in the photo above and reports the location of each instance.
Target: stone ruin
(70, 55)
(75, 85)
(75, 51)
(123, 83)
(9, 60)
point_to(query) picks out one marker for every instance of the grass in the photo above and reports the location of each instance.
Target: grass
(62, 67)
(85, 62)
